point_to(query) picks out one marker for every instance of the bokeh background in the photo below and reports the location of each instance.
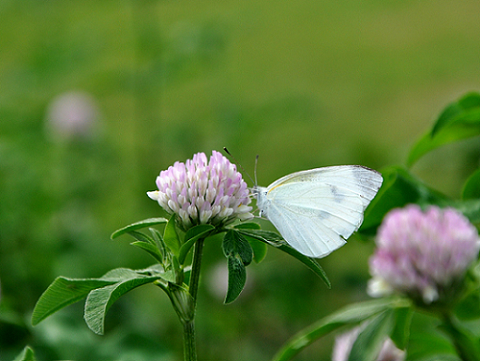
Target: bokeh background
(96, 97)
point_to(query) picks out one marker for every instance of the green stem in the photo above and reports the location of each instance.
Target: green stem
(189, 348)
(190, 351)
(195, 273)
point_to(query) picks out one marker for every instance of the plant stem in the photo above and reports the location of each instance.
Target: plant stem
(195, 273)
(190, 351)
(189, 348)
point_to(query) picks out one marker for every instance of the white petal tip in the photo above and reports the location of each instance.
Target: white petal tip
(153, 195)
(378, 287)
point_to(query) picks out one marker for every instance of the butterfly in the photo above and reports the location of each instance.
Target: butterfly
(316, 210)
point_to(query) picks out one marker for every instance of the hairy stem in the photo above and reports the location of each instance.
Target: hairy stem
(195, 273)
(189, 347)
(190, 351)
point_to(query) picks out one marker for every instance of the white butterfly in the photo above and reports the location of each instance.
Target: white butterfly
(316, 210)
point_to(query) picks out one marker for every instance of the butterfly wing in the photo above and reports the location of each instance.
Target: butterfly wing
(317, 210)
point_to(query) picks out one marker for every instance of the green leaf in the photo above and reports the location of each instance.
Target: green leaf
(138, 225)
(147, 244)
(469, 307)
(460, 120)
(26, 355)
(399, 188)
(471, 188)
(99, 300)
(170, 236)
(309, 262)
(239, 253)
(177, 270)
(235, 245)
(370, 340)
(347, 316)
(158, 271)
(237, 276)
(401, 330)
(259, 249)
(192, 235)
(277, 241)
(150, 248)
(158, 238)
(373, 215)
(139, 236)
(467, 107)
(426, 339)
(465, 342)
(253, 233)
(470, 208)
(247, 225)
(269, 237)
(63, 292)
(438, 357)
(66, 291)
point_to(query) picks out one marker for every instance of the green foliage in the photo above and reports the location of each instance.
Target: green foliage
(441, 358)
(471, 189)
(193, 235)
(277, 241)
(239, 254)
(348, 316)
(393, 317)
(63, 292)
(468, 308)
(458, 121)
(466, 343)
(247, 242)
(401, 326)
(170, 236)
(370, 340)
(399, 188)
(26, 355)
(170, 76)
(101, 293)
(237, 246)
(138, 225)
(99, 300)
(147, 244)
(259, 250)
(237, 276)
(309, 262)
(259, 247)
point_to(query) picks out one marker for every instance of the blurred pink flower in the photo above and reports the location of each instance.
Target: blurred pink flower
(422, 254)
(72, 115)
(203, 192)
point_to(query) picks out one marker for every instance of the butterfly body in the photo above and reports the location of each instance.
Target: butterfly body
(316, 210)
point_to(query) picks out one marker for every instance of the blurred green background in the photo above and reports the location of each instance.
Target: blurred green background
(301, 83)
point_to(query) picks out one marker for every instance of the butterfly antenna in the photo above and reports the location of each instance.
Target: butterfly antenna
(243, 169)
(255, 170)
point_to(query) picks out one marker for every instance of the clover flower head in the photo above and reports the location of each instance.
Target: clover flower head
(344, 343)
(422, 254)
(202, 191)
